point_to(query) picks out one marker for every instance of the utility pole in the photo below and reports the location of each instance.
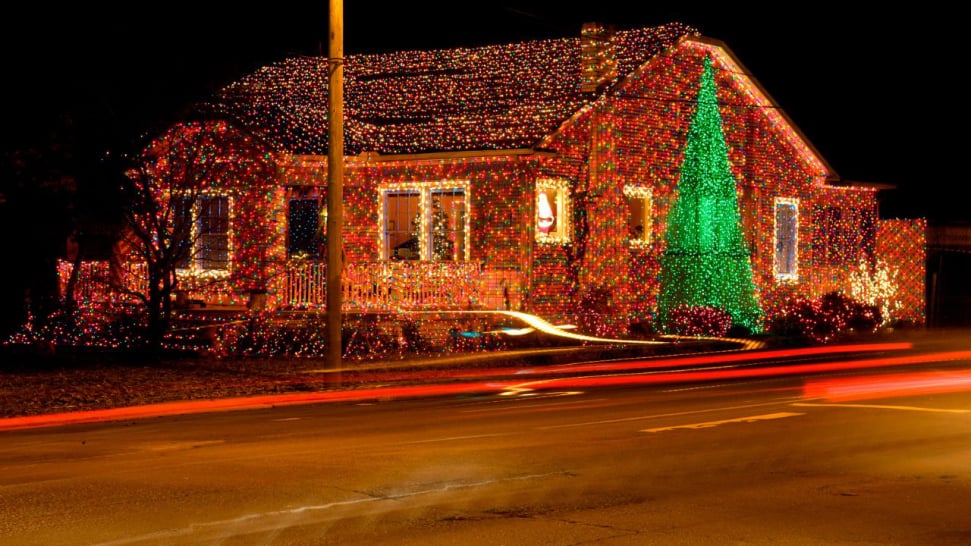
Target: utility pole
(335, 176)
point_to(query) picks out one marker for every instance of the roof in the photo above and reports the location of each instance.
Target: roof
(483, 98)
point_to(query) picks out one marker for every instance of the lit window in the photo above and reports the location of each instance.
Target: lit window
(786, 238)
(552, 211)
(202, 227)
(425, 221)
(639, 211)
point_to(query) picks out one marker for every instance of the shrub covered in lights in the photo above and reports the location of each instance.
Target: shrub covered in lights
(595, 308)
(363, 338)
(821, 319)
(700, 320)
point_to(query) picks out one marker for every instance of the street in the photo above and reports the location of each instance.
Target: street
(872, 456)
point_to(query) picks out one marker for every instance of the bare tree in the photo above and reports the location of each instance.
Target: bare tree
(168, 230)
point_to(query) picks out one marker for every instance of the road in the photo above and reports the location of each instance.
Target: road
(844, 456)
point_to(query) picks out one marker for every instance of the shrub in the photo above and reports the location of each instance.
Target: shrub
(824, 318)
(686, 320)
(595, 309)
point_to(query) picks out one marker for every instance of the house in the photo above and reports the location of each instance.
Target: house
(534, 176)
(948, 268)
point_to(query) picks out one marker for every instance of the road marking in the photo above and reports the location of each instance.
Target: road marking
(661, 415)
(515, 390)
(878, 406)
(168, 446)
(524, 403)
(709, 424)
(454, 438)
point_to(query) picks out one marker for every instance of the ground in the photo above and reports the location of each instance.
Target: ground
(35, 385)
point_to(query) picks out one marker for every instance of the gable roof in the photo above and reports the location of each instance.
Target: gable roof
(483, 98)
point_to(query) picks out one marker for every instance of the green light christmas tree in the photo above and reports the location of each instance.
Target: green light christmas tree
(706, 263)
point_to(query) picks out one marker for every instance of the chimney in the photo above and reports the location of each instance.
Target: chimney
(597, 56)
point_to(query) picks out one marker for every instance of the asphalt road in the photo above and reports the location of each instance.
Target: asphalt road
(843, 456)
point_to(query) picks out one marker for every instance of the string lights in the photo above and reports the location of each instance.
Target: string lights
(512, 122)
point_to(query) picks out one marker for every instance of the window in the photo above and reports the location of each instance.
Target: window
(304, 234)
(425, 221)
(786, 238)
(639, 211)
(552, 211)
(202, 227)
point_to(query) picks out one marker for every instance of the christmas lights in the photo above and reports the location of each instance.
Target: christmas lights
(501, 129)
(706, 262)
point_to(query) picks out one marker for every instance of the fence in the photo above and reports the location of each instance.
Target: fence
(368, 286)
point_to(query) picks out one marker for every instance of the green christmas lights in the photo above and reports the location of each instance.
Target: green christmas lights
(706, 262)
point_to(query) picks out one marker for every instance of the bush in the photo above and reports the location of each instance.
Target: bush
(701, 320)
(824, 318)
(595, 309)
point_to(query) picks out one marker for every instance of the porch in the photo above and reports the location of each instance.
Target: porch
(301, 285)
(383, 286)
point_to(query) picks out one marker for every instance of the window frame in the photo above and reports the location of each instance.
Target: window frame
(314, 242)
(562, 210)
(195, 267)
(425, 191)
(646, 195)
(790, 239)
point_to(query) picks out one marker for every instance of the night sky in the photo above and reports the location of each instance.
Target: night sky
(880, 94)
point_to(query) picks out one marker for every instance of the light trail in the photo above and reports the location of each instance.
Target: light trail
(488, 387)
(906, 384)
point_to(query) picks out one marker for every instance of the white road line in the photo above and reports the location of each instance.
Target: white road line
(526, 403)
(454, 438)
(878, 406)
(709, 424)
(659, 415)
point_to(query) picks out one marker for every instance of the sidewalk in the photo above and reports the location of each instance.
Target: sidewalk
(52, 394)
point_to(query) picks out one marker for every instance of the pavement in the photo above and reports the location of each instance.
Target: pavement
(41, 395)
(50, 395)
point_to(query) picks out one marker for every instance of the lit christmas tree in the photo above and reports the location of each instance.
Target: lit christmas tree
(706, 263)
(441, 244)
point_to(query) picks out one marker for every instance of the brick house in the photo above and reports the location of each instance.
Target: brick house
(532, 176)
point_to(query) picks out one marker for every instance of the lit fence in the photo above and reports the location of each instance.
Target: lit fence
(369, 286)
(365, 286)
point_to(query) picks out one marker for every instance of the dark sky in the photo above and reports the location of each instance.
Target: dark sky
(879, 93)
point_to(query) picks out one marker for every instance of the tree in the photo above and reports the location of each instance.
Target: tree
(169, 190)
(442, 245)
(706, 262)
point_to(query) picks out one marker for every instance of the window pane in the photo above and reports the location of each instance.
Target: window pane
(552, 217)
(402, 224)
(448, 225)
(213, 232)
(635, 217)
(182, 231)
(213, 252)
(546, 211)
(303, 235)
(785, 238)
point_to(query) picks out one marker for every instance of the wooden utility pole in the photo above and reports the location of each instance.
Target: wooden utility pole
(335, 178)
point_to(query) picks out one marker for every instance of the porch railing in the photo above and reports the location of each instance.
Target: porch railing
(368, 286)
(365, 286)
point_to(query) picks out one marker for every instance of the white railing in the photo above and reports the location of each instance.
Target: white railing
(365, 286)
(389, 285)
